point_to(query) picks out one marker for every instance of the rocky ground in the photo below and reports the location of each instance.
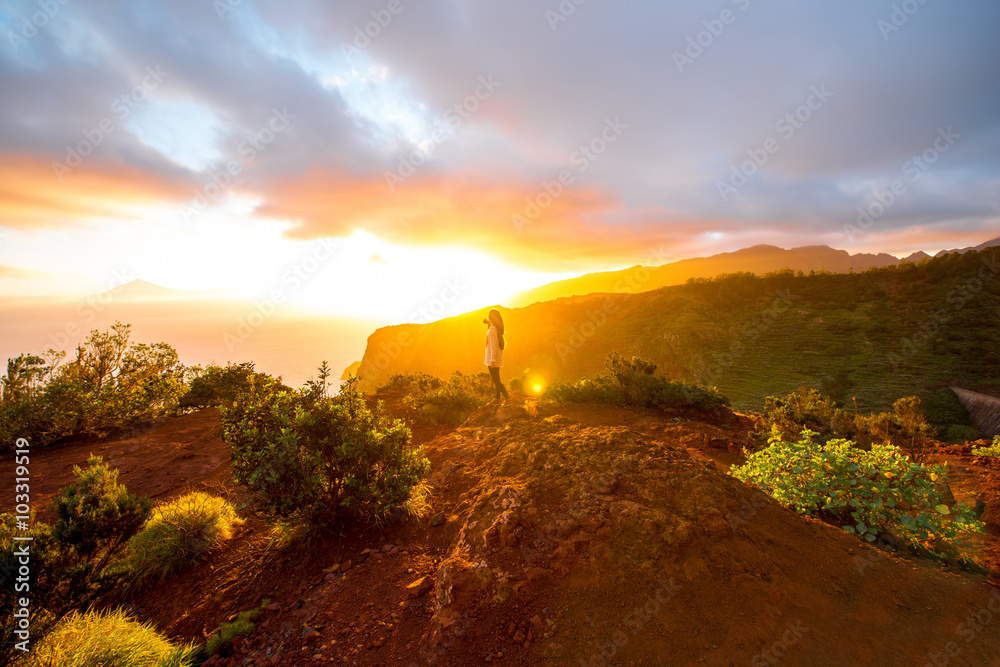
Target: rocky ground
(564, 535)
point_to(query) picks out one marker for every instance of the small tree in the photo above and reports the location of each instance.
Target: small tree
(303, 455)
(97, 515)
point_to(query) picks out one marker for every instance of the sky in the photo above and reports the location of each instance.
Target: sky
(381, 154)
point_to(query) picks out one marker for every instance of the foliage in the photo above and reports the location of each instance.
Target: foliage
(179, 533)
(300, 455)
(906, 426)
(632, 382)
(222, 638)
(992, 450)
(110, 385)
(865, 492)
(97, 639)
(69, 560)
(215, 385)
(441, 402)
(960, 434)
(97, 515)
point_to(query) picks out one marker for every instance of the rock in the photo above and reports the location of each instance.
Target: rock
(332, 568)
(719, 443)
(345, 566)
(389, 548)
(419, 587)
(310, 634)
(366, 553)
(330, 576)
(519, 636)
(944, 490)
(437, 519)
(274, 606)
(211, 662)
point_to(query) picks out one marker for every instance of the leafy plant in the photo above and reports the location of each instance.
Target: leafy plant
(299, 455)
(906, 426)
(110, 385)
(97, 639)
(179, 533)
(992, 450)
(97, 515)
(217, 385)
(436, 401)
(632, 382)
(865, 492)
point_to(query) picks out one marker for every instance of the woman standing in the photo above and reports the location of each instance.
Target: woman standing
(494, 352)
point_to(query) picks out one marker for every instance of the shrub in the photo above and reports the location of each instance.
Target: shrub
(110, 385)
(632, 382)
(906, 426)
(179, 533)
(97, 515)
(99, 639)
(439, 402)
(865, 492)
(215, 385)
(992, 450)
(309, 457)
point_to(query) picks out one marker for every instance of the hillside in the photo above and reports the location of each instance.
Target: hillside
(758, 259)
(877, 336)
(563, 535)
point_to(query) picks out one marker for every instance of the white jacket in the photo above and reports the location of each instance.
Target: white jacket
(494, 355)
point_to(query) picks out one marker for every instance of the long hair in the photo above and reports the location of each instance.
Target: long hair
(497, 321)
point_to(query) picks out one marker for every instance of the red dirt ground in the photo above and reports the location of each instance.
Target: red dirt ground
(793, 590)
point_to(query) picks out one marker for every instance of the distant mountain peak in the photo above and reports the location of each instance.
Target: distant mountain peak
(142, 290)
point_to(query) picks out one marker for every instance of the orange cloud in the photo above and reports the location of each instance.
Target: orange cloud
(32, 196)
(579, 227)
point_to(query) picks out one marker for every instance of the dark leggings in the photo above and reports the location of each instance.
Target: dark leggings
(495, 376)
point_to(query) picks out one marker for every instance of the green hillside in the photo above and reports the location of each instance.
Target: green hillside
(878, 335)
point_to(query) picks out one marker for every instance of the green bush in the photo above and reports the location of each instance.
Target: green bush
(865, 492)
(110, 385)
(103, 639)
(215, 385)
(179, 533)
(632, 382)
(298, 455)
(906, 426)
(97, 515)
(992, 450)
(436, 401)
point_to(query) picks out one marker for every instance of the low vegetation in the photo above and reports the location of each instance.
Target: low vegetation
(101, 639)
(314, 457)
(437, 401)
(217, 385)
(867, 492)
(632, 382)
(70, 560)
(221, 640)
(179, 533)
(110, 385)
(906, 426)
(992, 450)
